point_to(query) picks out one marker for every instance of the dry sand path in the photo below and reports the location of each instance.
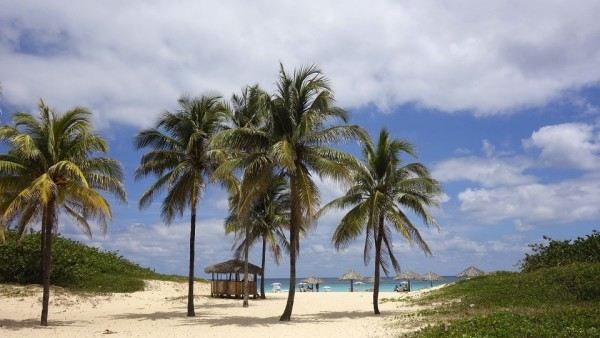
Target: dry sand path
(159, 311)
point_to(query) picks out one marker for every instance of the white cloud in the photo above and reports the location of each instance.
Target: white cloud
(489, 172)
(566, 201)
(129, 61)
(164, 247)
(575, 145)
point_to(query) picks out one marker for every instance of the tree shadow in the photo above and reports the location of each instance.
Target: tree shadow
(15, 325)
(219, 319)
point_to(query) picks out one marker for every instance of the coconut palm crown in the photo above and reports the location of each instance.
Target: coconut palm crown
(181, 159)
(384, 189)
(52, 167)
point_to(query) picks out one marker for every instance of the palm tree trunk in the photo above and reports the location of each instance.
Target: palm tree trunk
(47, 225)
(190, 302)
(262, 274)
(246, 247)
(378, 240)
(294, 232)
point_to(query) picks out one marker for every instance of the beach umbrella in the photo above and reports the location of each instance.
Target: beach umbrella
(431, 276)
(351, 276)
(471, 272)
(408, 275)
(313, 280)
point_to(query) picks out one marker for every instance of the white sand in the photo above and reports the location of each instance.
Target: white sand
(160, 310)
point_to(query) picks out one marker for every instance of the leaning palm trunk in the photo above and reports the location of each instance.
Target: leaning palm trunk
(294, 233)
(378, 241)
(47, 228)
(246, 266)
(190, 305)
(262, 274)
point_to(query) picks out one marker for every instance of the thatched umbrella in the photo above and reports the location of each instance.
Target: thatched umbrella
(431, 276)
(313, 280)
(408, 275)
(471, 272)
(351, 276)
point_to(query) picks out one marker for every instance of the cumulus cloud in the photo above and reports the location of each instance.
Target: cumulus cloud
(575, 145)
(129, 61)
(566, 201)
(489, 172)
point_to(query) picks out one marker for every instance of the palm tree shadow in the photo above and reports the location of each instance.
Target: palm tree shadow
(15, 325)
(249, 321)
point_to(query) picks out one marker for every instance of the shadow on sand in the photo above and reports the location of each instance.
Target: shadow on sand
(15, 325)
(245, 321)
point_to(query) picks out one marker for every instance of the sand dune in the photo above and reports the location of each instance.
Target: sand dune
(159, 311)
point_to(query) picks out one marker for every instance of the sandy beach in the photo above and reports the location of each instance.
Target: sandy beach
(159, 311)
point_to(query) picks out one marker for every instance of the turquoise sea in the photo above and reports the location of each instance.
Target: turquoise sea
(386, 284)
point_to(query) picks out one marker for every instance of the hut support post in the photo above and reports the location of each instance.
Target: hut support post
(352, 285)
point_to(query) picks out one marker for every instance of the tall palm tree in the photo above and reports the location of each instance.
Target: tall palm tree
(295, 142)
(247, 110)
(383, 189)
(267, 220)
(182, 161)
(51, 167)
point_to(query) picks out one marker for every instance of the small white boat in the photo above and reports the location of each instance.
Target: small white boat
(327, 288)
(275, 287)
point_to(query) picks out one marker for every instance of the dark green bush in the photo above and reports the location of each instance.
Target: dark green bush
(74, 265)
(558, 253)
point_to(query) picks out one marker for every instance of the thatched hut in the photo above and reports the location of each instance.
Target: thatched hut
(227, 278)
(351, 276)
(471, 272)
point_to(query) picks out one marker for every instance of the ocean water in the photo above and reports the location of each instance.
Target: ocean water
(385, 285)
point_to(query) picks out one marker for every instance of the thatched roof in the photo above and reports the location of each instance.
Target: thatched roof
(471, 272)
(431, 276)
(232, 266)
(312, 280)
(351, 275)
(408, 275)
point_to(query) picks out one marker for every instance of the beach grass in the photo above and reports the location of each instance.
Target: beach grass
(560, 301)
(76, 267)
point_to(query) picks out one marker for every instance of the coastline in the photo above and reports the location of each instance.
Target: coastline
(160, 311)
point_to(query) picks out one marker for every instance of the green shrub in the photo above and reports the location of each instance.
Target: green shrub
(562, 301)
(74, 265)
(557, 253)
(557, 323)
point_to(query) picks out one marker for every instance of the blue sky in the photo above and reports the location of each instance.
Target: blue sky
(501, 99)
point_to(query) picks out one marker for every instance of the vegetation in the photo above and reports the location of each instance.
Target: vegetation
(75, 266)
(382, 188)
(551, 298)
(50, 168)
(181, 159)
(557, 253)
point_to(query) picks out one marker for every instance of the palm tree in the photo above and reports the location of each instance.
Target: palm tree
(384, 187)
(248, 110)
(51, 167)
(295, 143)
(182, 161)
(268, 217)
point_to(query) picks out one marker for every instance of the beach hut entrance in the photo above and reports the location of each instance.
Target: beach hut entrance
(227, 279)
